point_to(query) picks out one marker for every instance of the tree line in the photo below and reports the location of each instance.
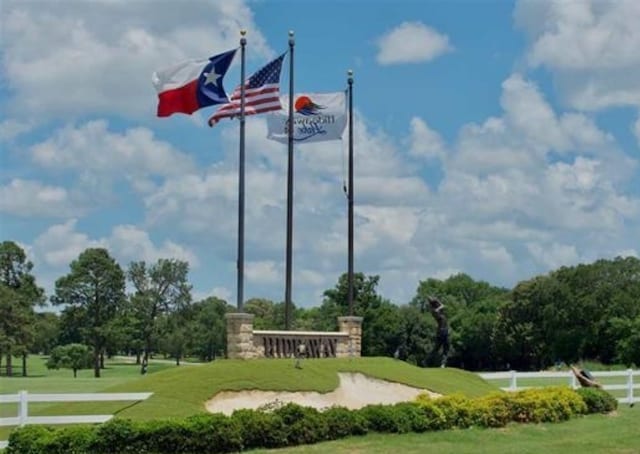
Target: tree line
(588, 311)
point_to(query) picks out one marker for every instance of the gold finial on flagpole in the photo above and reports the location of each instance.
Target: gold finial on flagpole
(243, 32)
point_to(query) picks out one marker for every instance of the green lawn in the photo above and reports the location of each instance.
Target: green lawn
(618, 433)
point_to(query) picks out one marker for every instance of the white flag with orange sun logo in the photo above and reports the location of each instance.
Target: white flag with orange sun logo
(316, 117)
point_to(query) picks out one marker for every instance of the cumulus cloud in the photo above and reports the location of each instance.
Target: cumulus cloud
(589, 45)
(98, 56)
(424, 141)
(263, 272)
(93, 148)
(60, 244)
(28, 198)
(411, 42)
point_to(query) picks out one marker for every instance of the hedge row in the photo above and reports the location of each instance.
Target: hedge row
(292, 424)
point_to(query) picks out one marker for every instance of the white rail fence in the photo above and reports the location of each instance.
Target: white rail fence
(624, 375)
(23, 398)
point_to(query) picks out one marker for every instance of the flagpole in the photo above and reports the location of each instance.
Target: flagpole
(240, 263)
(287, 292)
(350, 197)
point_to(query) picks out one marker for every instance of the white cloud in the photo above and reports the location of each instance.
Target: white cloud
(589, 45)
(62, 243)
(263, 272)
(424, 141)
(30, 198)
(411, 42)
(98, 56)
(131, 243)
(11, 128)
(92, 148)
(554, 255)
(636, 130)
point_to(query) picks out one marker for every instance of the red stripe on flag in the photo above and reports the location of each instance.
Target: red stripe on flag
(178, 100)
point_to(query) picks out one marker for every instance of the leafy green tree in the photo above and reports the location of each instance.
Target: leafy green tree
(417, 338)
(161, 289)
(601, 292)
(71, 356)
(628, 345)
(381, 325)
(19, 295)
(263, 310)
(96, 286)
(46, 332)
(208, 328)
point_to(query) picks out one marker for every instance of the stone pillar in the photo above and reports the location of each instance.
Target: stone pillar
(352, 326)
(240, 336)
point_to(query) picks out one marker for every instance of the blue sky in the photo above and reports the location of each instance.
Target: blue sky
(500, 139)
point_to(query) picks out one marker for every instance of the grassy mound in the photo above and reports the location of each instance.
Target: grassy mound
(183, 391)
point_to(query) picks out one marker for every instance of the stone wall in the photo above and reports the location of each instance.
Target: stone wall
(245, 343)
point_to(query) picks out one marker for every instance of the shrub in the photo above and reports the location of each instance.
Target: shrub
(342, 422)
(457, 411)
(28, 440)
(212, 433)
(385, 418)
(598, 400)
(303, 425)
(413, 416)
(492, 410)
(260, 429)
(115, 436)
(544, 405)
(70, 440)
(434, 416)
(162, 436)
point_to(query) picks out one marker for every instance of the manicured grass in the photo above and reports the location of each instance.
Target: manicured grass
(618, 433)
(183, 391)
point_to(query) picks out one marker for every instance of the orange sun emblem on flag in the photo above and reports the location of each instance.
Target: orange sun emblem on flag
(305, 106)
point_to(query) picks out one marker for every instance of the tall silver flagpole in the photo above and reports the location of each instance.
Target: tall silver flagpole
(289, 258)
(240, 263)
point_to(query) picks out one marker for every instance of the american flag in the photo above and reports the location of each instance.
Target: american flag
(261, 93)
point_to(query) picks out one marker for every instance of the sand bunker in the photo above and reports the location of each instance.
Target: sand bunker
(354, 391)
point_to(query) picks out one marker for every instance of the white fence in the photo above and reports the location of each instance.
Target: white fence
(23, 398)
(623, 375)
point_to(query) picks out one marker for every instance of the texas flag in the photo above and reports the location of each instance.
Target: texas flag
(192, 85)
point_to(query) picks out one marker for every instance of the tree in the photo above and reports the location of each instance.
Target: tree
(381, 325)
(46, 332)
(18, 298)
(96, 286)
(161, 289)
(71, 356)
(208, 329)
(628, 347)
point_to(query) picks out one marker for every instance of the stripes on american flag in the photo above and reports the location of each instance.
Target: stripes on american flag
(261, 93)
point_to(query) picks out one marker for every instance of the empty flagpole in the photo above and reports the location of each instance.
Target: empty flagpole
(287, 291)
(240, 263)
(350, 197)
